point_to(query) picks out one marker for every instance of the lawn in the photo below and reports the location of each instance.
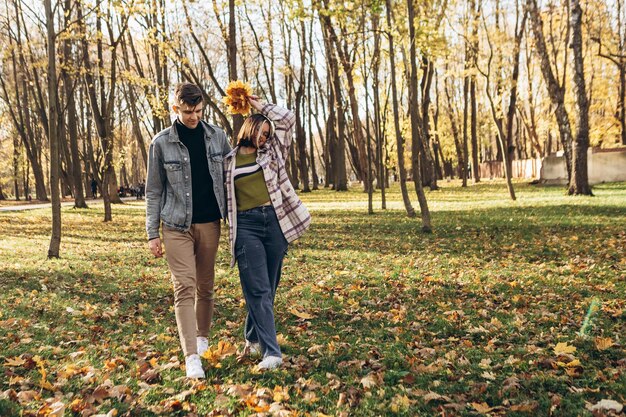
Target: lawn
(507, 308)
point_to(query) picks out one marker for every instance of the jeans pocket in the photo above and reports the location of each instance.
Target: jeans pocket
(240, 255)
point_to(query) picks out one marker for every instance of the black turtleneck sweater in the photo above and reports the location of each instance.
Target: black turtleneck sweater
(204, 204)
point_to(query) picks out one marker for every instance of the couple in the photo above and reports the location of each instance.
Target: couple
(194, 180)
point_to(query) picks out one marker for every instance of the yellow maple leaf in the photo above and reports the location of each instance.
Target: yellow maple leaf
(603, 343)
(564, 348)
(215, 354)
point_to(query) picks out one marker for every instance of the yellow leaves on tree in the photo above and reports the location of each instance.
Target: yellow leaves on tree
(237, 93)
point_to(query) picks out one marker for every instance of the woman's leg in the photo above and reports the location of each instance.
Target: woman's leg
(275, 248)
(255, 282)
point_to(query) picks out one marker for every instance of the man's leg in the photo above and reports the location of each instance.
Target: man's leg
(179, 250)
(207, 236)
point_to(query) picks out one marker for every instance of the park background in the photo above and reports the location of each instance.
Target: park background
(435, 279)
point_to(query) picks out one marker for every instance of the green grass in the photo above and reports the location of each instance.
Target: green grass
(404, 323)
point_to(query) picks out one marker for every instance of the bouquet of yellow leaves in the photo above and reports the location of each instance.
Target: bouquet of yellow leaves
(236, 99)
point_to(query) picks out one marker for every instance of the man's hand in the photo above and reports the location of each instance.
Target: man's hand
(155, 247)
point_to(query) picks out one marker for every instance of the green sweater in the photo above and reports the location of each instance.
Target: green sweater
(250, 188)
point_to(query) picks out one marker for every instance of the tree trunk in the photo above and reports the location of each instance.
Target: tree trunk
(426, 157)
(339, 155)
(473, 130)
(72, 122)
(380, 180)
(415, 123)
(53, 117)
(16, 167)
(396, 118)
(231, 47)
(579, 182)
(555, 91)
(519, 33)
(300, 132)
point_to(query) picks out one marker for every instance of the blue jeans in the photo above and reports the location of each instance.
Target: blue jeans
(260, 248)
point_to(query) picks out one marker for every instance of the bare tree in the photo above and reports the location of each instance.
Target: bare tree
(410, 211)
(53, 133)
(415, 121)
(556, 90)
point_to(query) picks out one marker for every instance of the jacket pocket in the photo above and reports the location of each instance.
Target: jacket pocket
(174, 171)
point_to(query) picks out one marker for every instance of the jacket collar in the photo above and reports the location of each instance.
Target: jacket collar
(209, 131)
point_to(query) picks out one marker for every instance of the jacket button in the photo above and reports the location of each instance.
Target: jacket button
(185, 159)
(187, 194)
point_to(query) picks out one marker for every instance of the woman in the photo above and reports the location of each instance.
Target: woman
(264, 215)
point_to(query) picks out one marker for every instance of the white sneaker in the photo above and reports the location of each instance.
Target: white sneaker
(203, 345)
(193, 364)
(252, 349)
(270, 362)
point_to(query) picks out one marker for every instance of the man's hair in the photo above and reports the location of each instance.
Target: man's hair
(187, 93)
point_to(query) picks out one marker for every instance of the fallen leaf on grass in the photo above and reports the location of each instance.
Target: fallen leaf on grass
(301, 315)
(14, 362)
(482, 408)
(564, 348)
(489, 375)
(433, 396)
(56, 409)
(603, 343)
(216, 354)
(371, 380)
(280, 394)
(44, 374)
(400, 403)
(24, 397)
(525, 407)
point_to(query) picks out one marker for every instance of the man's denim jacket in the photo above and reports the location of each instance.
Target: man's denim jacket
(168, 183)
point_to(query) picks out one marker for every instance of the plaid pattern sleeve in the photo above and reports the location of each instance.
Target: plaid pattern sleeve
(293, 216)
(284, 121)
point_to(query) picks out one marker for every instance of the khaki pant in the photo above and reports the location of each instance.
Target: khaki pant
(191, 258)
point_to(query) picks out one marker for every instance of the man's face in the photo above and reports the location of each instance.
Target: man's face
(189, 115)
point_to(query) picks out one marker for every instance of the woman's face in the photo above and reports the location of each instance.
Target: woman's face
(264, 134)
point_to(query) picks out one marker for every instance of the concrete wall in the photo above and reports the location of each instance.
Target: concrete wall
(604, 165)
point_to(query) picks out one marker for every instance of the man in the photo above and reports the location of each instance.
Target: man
(185, 193)
(94, 187)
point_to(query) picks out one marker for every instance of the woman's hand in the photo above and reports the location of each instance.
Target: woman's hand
(256, 103)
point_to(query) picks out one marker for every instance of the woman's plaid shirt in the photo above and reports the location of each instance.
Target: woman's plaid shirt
(293, 216)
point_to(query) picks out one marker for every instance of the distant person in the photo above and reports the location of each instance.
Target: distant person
(141, 190)
(94, 187)
(264, 215)
(185, 193)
